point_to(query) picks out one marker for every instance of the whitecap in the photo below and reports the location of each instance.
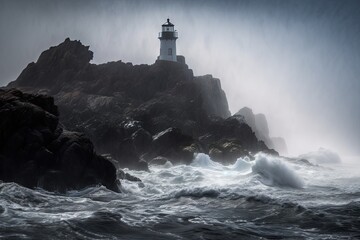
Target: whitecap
(242, 165)
(274, 171)
(204, 161)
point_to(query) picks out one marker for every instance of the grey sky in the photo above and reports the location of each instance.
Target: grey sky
(298, 62)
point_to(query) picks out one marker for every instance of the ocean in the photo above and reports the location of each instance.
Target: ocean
(265, 198)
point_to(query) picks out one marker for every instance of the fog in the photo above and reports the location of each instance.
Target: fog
(298, 62)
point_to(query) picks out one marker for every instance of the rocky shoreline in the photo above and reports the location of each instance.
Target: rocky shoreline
(36, 151)
(136, 114)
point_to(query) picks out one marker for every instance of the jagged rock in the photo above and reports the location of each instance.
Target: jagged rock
(127, 176)
(158, 161)
(212, 92)
(230, 128)
(48, 71)
(172, 144)
(227, 151)
(259, 125)
(248, 115)
(228, 140)
(35, 151)
(142, 140)
(102, 100)
(128, 156)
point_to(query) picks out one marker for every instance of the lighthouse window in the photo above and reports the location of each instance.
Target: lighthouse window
(167, 29)
(170, 51)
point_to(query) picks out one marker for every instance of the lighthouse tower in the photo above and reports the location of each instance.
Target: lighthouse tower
(168, 38)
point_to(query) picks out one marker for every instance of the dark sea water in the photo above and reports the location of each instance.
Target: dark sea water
(269, 198)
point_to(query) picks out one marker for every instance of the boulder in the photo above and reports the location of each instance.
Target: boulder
(127, 176)
(36, 152)
(158, 161)
(229, 139)
(227, 151)
(172, 144)
(142, 140)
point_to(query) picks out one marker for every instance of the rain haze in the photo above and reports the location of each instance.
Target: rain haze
(298, 62)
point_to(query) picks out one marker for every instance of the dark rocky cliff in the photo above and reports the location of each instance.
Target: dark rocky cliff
(259, 125)
(213, 97)
(122, 108)
(35, 150)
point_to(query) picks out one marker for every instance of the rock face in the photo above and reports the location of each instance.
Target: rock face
(128, 110)
(213, 97)
(259, 125)
(231, 138)
(35, 151)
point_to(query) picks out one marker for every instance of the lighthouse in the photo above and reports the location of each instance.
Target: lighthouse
(168, 38)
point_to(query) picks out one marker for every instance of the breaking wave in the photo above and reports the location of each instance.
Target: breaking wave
(263, 197)
(276, 172)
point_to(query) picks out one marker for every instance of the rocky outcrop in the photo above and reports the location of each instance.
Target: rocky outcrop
(259, 125)
(35, 151)
(172, 144)
(230, 139)
(213, 97)
(124, 109)
(49, 72)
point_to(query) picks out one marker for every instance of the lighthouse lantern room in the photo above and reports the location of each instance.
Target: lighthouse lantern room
(168, 38)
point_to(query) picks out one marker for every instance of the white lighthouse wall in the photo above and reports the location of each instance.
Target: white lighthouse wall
(164, 50)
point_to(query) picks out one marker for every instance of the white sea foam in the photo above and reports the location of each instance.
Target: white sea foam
(322, 156)
(242, 165)
(205, 191)
(274, 171)
(203, 160)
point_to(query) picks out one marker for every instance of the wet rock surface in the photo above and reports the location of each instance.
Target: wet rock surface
(35, 150)
(124, 108)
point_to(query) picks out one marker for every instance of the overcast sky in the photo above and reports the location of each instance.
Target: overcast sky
(296, 61)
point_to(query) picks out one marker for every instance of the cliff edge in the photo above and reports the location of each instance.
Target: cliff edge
(138, 113)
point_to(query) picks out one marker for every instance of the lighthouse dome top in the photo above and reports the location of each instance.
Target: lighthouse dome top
(168, 23)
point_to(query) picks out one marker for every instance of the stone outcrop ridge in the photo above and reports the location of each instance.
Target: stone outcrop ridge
(259, 125)
(213, 97)
(35, 151)
(123, 108)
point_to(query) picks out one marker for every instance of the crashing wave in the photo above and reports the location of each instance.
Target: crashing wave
(275, 171)
(203, 160)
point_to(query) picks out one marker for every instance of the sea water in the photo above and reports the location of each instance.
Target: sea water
(268, 197)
